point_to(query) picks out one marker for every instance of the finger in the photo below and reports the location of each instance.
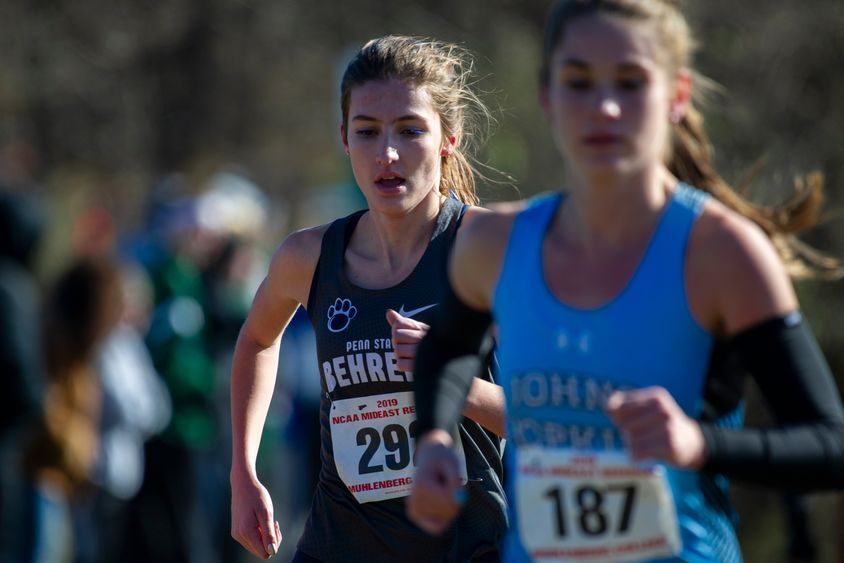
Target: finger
(629, 411)
(634, 398)
(405, 350)
(434, 508)
(412, 324)
(392, 317)
(650, 445)
(408, 335)
(277, 534)
(256, 543)
(622, 414)
(614, 402)
(268, 534)
(407, 323)
(638, 421)
(433, 525)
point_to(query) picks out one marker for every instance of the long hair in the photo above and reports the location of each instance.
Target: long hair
(689, 153)
(444, 70)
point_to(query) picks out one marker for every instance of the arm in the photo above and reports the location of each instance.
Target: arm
(449, 356)
(737, 285)
(758, 309)
(254, 369)
(485, 400)
(453, 351)
(795, 380)
(485, 405)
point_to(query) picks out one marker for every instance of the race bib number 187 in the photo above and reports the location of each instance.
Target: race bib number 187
(594, 506)
(374, 444)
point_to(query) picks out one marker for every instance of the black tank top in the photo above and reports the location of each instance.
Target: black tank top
(358, 511)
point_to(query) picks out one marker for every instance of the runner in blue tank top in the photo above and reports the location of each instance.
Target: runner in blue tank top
(407, 110)
(619, 307)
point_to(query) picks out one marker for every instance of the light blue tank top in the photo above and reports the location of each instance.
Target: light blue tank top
(558, 363)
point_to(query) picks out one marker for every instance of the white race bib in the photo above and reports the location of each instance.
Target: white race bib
(375, 443)
(593, 506)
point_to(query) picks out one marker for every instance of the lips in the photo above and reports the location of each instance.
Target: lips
(601, 139)
(389, 181)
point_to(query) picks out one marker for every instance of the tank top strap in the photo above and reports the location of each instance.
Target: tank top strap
(331, 254)
(667, 249)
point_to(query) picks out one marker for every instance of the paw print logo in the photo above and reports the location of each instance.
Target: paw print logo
(340, 315)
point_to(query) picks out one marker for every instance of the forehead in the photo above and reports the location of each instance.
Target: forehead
(602, 38)
(390, 99)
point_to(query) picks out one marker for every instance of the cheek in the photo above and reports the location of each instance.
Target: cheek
(567, 121)
(425, 156)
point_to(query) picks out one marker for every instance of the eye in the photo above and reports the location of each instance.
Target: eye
(631, 84)
(412, 131)
(365, 132)
(578, 84)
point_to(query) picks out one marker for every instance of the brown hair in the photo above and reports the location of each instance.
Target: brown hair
(82, 307)
(689, 154)
(444, 71)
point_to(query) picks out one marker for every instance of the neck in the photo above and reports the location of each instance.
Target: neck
(610, 210)
(398, 240)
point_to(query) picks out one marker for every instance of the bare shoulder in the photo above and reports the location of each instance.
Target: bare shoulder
(286, 286)
(486, 228)
(479, 253)
(508, 206)
(734, 268)
(294, 262)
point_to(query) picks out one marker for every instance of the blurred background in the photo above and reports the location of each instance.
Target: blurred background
(152, 154)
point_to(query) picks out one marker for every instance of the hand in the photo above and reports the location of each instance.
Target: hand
(406, 334)
(437, 496)
(252, 517)
(655, 427)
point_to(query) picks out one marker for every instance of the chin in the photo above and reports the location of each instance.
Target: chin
(606, 167)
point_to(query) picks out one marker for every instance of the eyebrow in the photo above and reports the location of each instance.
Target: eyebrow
(582, 65)
(408, 117)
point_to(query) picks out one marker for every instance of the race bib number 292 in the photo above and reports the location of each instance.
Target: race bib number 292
(374, 442)
(595, 506)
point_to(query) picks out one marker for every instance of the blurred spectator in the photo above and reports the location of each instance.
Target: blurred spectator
(21, 226)
(82, 308)
(135, 406)
(165, 520)
(204, 261)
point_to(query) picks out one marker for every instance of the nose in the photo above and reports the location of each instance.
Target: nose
(387, 155)
(609, 106)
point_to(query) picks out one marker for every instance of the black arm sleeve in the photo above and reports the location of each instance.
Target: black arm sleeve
(450, 355)
(805, 450)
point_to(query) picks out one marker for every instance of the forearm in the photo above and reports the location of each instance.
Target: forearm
(800, 458)
(485, 405)
(805, 450)
(449, 357)
(253, 378)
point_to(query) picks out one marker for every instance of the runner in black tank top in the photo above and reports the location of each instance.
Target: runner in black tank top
(407, 115)
(364, 400)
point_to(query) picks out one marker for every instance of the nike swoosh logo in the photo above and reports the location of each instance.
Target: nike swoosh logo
(413, 312)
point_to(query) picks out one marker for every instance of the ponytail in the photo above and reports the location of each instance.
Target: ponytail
(690, 160)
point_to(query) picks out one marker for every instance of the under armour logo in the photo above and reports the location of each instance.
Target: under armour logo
(581, 342)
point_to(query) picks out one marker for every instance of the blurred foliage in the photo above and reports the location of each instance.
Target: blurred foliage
(122, 92)
(100, 98)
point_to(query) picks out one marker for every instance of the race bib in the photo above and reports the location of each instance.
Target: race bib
(375, 443)
(595, 507)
